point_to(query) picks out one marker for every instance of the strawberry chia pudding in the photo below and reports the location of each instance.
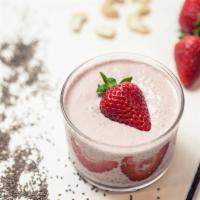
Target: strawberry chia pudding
(121, 135)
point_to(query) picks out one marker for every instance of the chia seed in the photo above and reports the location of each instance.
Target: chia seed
(4, 142)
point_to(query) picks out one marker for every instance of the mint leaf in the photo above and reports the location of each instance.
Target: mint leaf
(128, 79)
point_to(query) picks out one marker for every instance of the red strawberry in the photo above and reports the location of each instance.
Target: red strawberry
(188, 18)
(187, 57)
(93, 166)
(140, 170)
(124, 103)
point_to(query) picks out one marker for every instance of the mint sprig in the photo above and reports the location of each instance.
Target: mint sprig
(109, 82)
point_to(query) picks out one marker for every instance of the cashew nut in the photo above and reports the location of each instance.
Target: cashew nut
(106, 32)
(134, 23)
(144, 9)
(108, 9)
(78, 20)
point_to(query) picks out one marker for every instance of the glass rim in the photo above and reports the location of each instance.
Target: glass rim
(161, 67)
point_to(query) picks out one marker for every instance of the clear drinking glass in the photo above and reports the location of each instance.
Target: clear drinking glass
(115, 180)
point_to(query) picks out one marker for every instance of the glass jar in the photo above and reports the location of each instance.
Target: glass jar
(115, 167)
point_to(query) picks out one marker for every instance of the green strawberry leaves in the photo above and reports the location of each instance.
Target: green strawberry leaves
(101, 89)
(109, 82)
(182, 34)
(197, 26)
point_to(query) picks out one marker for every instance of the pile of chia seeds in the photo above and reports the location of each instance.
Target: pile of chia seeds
(21, 81)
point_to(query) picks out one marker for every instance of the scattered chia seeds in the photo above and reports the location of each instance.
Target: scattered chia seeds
(21, 82)
(93, 188)
(21, 55)
(97, 190)
(4, 142)
(24, 72)
(11, 187)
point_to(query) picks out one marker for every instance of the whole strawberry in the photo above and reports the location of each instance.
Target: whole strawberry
(187, 57)
(189, 18)
(124, 103)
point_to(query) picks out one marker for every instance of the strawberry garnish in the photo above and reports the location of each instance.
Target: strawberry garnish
(187, 57)
(91, 165)
(190, 16)
(124, 103)
(137, 170)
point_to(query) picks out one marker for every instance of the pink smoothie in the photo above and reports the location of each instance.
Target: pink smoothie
(82, 103)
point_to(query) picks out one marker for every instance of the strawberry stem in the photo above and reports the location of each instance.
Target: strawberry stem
(196, 31)
(105, 79)
(197, 24)
(182, 34)
(109, 82)
(128, 79)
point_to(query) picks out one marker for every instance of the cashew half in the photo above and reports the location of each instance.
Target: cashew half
(134, 23)
(144, 9)
(108, 9)
(78, 20)
(106, 32)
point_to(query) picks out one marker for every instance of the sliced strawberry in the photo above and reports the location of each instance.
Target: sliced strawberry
(140, 170)
(93, 166)
(124, 103)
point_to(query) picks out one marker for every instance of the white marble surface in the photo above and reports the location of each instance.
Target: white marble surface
(65, 50)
